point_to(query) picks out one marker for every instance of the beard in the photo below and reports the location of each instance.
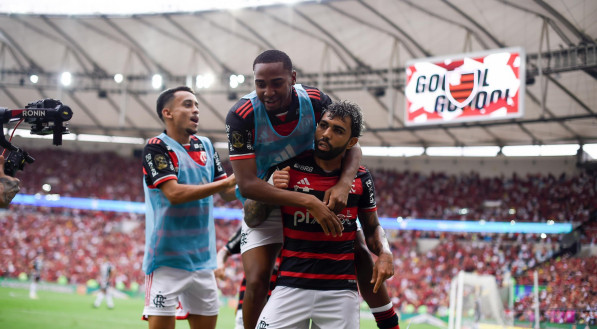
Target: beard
(191, 131)
(329, 154)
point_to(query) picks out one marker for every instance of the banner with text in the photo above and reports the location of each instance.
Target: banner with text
(467, 87)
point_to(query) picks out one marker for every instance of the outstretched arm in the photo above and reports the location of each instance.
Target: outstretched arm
(180, 193)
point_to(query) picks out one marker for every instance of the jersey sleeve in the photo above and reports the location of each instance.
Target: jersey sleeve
(240, 125)
(233, 244)
(324, 100)
(367, 200)
(319, 100)
(157, 163)
(219, 172)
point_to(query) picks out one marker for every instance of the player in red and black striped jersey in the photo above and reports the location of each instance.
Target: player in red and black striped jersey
(160, 163)
(317, 279)
(311, 259)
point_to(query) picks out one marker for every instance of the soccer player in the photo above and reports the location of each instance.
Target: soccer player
(105, 281)
(317, 280)
(36, 268)
(272, 124)
(182, 171)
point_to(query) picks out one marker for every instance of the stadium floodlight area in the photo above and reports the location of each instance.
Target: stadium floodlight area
(55, 200)
(131, 7)
(475, 302)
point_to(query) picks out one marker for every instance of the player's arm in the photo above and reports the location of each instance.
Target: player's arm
(252, 187)
(230, 248)
(375, 237)
(336, 196)
(160, 173)
(180, 193)
(227, 194)
(257, 212)
(221, 258)
(377, 243)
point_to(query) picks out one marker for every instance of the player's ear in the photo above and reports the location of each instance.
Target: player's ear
(166, 112)
(351, 142)
(293, 75)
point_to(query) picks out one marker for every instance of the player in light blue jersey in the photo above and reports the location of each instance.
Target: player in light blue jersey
(182, 172)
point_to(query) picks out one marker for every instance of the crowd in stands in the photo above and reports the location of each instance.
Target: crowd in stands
(569, 295)
(105, 175)
(73, 240)
(73, 243)
(533, 198)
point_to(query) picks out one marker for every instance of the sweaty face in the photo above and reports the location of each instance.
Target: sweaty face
(185, 112)
(273, 84)
(332, 137)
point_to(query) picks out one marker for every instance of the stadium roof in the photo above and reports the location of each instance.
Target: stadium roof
(352, 49)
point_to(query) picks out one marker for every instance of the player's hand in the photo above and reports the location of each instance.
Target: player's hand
(230, 181)
(280, 178)
(336, 197)
(9, 186)
(328, 220)
(220, 273)
(382, 270)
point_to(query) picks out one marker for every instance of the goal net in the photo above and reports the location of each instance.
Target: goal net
(475, 302)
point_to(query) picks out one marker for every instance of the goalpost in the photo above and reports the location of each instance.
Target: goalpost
(475, 302)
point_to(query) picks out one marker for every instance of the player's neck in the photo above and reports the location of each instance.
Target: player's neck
(330, 165)
(182, 137)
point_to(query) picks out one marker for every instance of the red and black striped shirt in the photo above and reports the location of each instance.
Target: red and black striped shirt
(310, 259)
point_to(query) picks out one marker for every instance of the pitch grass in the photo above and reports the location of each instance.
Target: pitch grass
(71, 311)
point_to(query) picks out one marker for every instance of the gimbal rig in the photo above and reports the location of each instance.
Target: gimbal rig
(46, 117)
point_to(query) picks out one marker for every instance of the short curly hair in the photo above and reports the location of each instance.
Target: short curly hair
(349, 109)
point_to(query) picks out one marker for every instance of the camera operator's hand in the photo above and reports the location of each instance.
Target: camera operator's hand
(9, 186)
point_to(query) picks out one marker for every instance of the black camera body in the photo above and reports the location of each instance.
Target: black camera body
(16, 161)
(46, 116)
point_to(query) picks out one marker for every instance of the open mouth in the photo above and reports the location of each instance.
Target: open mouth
(323, 145)
(195, 119)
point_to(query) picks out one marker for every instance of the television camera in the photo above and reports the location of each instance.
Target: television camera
(46, 116)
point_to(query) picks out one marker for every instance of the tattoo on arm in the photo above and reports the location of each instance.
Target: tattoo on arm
(10, 188)
(256, 212)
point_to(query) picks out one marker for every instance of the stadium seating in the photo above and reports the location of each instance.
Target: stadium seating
(73, 240)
